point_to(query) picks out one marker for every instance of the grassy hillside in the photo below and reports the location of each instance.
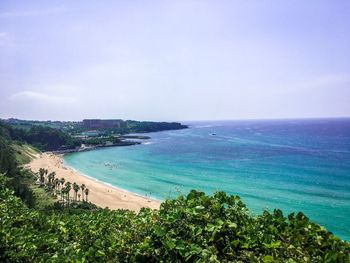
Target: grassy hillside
(24, 153)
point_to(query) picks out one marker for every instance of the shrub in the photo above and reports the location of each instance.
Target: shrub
(192, 228)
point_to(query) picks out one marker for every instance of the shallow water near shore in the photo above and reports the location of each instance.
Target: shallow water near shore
(294, 165)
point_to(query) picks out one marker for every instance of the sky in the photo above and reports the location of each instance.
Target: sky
(174, 60)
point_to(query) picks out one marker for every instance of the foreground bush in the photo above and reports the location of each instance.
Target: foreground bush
(195, 228)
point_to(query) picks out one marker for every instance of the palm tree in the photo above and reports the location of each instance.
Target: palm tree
(53, 175)
(79, 197)
(63, 191)
(86, 194)
(42, 176)
(68, 188)
(56, 184)
(62, 180)
(50, 178)
(82, 190)
(46, 171)
(76, 189)
(64, 195)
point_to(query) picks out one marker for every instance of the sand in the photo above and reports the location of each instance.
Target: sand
(99, 193)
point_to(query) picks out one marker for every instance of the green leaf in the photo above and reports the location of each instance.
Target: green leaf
(232, 225)
(268, 259)
(170, 243)
(159, 231)
(275, 244)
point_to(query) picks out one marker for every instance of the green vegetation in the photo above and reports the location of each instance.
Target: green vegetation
(57, 135)
(195, 228)
(42, 200)
(13, 154)
(24, 152)
(101, 141)
(44, 138)
(39, 137)
(59, 188)
(66, 126)
(77, 127)
(150, 126)
(192, 228)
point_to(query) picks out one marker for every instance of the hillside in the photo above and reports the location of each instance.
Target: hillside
(24, 153)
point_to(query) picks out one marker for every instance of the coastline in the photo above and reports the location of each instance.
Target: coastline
(91, 148)
(101, 194)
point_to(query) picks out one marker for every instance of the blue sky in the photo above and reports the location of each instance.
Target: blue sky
(174, 60)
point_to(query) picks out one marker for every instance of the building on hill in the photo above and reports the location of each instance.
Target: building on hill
(103, 124)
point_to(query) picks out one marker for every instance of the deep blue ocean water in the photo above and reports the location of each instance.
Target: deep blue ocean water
(294, 165)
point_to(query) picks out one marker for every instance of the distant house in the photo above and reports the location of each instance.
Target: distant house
(103, 124)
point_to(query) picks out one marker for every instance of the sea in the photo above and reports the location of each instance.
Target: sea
(293, 165)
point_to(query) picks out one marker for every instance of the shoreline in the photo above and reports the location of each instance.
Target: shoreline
(101, 194)
(95, 147)
(107, 184)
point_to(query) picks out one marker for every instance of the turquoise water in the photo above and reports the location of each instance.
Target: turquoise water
(295, 165)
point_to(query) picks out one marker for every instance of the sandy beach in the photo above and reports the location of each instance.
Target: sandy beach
(100, 194)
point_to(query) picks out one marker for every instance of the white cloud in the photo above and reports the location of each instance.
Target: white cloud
(31, 13)
(34, 96)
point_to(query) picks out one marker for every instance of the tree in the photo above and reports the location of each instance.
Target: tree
(56, 184)
(42, 176)
(63, 192)
(62, 180)
(51, 178)
(76, 189)
(86, 194)
(82, 190)
(68, 188)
